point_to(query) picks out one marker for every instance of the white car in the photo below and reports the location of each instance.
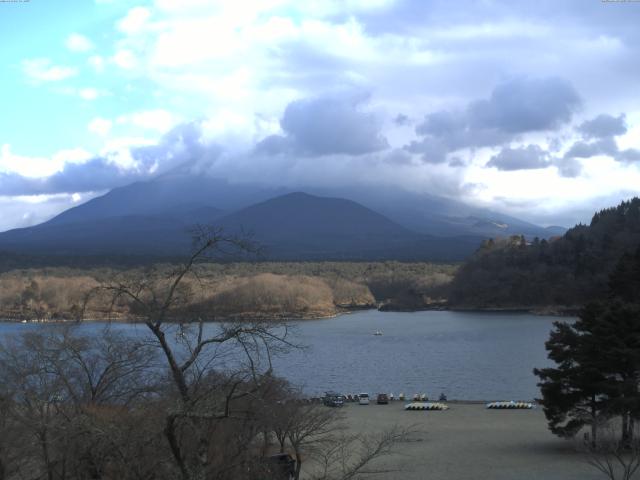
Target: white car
(363, 399)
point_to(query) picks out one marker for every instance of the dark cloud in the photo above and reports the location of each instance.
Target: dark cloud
(600, 133)
(604, 126)
(94, 175)
(179, 146)
(628, 155)
(603, 146)
(515, 107)
(568, 167)
(327, 125)
(457, 162)
(526, 105)
(430, 149)
(401, 120)
(523, 158)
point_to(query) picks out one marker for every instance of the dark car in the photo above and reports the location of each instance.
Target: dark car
(333, 399)
(281, 466)
(382, 399)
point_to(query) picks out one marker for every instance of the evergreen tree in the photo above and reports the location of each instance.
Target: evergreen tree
(598, 360)
(572, 393)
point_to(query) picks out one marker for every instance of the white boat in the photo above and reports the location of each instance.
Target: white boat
(377, 333)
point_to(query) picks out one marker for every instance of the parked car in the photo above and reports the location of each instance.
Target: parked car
(333, 399)
(280, 466)
(382, 399)
(363, 399)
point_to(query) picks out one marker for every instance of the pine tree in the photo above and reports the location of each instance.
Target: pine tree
(598, 361)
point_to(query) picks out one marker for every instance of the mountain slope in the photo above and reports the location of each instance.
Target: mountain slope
(295, 226)
(122, 235)
(421, 213)
(299, 225)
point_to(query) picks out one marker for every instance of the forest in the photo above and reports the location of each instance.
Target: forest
(565, 271)
(228, 290)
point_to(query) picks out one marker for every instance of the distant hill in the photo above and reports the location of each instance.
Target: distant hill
(294, 226)
(566, 271)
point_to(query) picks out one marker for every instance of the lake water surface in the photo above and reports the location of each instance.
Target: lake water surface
(467, 355)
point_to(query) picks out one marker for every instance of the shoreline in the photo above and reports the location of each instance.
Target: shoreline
(551, 310)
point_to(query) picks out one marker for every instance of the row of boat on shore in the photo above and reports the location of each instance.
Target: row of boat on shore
(420, 401)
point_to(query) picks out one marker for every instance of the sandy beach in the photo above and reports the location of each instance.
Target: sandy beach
(469, 442)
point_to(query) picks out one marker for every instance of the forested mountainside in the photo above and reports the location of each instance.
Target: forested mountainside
(567, 270)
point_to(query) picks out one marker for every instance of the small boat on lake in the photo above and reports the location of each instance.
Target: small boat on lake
(377, 333)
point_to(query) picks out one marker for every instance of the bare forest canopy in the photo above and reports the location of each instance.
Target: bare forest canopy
(279, 289)
(565, 271)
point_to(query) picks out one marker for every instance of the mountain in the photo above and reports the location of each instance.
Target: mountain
(153, 218)
(294, 226)
(299, 225)
(567, 270)
(418, 212)
(172, 192)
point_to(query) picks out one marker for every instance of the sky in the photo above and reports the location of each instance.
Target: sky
(529, 108)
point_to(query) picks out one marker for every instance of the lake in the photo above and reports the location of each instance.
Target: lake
(467, 355)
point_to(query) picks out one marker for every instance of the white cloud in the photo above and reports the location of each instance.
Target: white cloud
(125, 59)
(159, 120)
(89, 93)
(43, 70)
(134, 21)
(36, 167)
(100, 126)
(78, 43)
(97, 63)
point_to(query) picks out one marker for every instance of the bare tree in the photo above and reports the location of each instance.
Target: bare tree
(616, 459)
(191, 350)
(57, 384)
(357, 456)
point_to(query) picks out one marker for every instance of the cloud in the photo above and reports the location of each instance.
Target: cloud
(100, 126)
(604, 126)
(628, 155)
(125, 59)
(135, 20)
(602, 146)
(25, 211)
(401, 120)
(97, 63)
(90, 93)
(33, 167)
(43, 70)
(600, 133)
(158, 119)
(526, 105)
(431, 150)
(181, 145)
(328, 124)
(523, 158)
(516, 107)
(78, 43)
